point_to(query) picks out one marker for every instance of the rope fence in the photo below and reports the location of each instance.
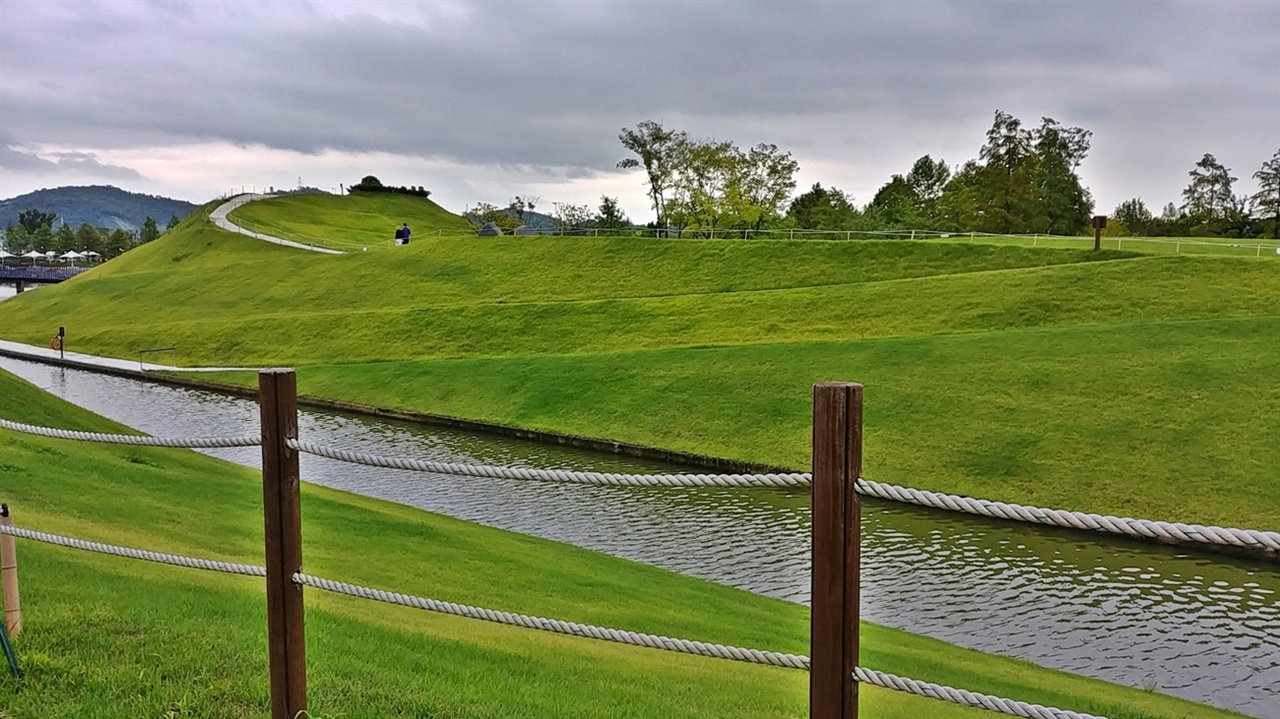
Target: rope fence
(620, 636)
(141, 439)
(1146, 528)
(1124, 526)
(835, 486)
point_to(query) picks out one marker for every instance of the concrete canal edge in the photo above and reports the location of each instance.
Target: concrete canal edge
(568, 440)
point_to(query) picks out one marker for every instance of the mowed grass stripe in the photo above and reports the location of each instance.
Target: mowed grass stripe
(1164, 420)
(1108, 293)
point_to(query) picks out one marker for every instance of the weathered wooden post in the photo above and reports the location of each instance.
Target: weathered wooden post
(9, 576)
(837, 533)
(282, 519)
(1099, 224)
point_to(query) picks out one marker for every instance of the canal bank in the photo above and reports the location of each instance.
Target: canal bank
(1183, 623)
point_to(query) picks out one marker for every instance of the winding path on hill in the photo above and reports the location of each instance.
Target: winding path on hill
(219, 218)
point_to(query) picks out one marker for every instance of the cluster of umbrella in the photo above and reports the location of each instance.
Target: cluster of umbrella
(34, 255)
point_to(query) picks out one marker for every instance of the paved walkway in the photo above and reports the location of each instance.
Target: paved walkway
(77, 359)
(219, 218)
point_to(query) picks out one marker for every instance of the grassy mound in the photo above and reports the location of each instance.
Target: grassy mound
(1044, 376)
(108, 637)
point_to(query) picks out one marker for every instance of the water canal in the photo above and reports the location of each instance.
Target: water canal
(1197, 625)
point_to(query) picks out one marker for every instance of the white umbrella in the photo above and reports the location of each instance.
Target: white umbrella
(70, 255)
(6, 255)
(34, 254)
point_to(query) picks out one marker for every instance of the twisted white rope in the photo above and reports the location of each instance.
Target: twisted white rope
(653, 641)
(174, 559)
(1153, 529)
(1000, 510)
(145, 440)
(1230, 536)
(556, 475)
(684, 646)
(965, 697)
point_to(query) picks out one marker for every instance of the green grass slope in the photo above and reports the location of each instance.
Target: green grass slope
(108, 637)
(353, 221)
(1041, 376)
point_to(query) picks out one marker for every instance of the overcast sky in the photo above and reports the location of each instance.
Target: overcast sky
(481, 101)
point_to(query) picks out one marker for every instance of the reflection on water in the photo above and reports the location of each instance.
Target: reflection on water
(1200, 626)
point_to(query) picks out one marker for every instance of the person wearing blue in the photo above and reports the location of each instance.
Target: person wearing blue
(404, 234)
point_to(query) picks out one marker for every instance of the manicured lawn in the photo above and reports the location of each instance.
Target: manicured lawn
(1046, 376)
(109, 637)
(1162, 420)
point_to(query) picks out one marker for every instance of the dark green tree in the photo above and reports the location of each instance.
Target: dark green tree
(173, 222)
(824, 209)
(64, 239)
(1007, 197)
(1208, 201)
(1134, 215)
(894, 204)
(149, 231)
(927, 179)
(1063, 205)
(33, 220)
(88, 238)
(610, 216)
(1266, 201)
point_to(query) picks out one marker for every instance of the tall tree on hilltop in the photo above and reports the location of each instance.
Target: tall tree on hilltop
(704, 177)
(1208, 200)
(1007, 199)
(765, 178)
(927, 179)
(1266, 201)
(823, 209)
(659, 151)
(1063, 204)
(894, 204)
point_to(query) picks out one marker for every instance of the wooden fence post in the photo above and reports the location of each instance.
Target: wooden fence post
(282, 519)
(837, 533)
(9, 576)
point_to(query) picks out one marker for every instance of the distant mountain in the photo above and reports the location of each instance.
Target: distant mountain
(99, 205)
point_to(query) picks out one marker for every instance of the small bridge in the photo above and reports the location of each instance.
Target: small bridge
(23, 276)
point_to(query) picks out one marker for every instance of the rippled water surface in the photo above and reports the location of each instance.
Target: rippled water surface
(1200, 626)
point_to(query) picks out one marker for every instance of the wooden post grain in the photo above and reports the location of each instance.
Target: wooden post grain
(282, 520)
(9, 576)
(837, 533)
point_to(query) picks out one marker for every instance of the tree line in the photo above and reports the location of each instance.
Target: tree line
(1023, 181)
(35, 230)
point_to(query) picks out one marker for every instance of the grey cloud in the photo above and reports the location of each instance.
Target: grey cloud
(82, 163)
(550, 84)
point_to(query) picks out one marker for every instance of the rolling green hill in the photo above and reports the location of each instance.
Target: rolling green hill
(1118, 383)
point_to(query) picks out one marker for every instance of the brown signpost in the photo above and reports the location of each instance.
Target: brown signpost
(1099, 224)
(837, 534)
(282, 519)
